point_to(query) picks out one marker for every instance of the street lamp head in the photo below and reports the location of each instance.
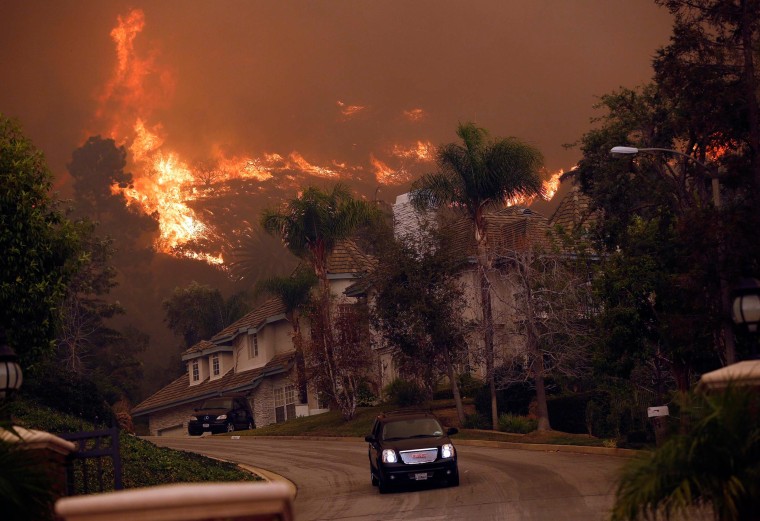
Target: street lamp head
(10, 370)
(746, 308)
(624, 150)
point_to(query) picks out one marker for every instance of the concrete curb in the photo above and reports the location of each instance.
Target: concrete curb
(545, 447)
(540, 447)
(269, 476)
(266, 475)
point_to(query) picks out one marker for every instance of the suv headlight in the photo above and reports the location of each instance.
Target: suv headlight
(193, 418)
(221, 417)
(389, 456)
(447, 450)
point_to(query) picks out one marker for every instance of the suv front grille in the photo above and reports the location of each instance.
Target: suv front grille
(413, 457)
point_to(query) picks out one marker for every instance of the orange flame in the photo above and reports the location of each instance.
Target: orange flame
(298, 160)
(163, 186)
(414, 114)
(421, 151)
(384, 173)
(165, 183)
(549, 187)
(349, 110)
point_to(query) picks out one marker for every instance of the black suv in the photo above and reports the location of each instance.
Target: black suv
(411, 447)
(221, 414)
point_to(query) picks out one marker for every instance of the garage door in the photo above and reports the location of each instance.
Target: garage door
(175, 430)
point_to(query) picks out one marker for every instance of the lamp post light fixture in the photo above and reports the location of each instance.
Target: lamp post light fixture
(10, 371)
(746, 308)
(632, 151)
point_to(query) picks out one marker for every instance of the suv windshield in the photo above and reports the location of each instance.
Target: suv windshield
(217, 403)
(413, 428)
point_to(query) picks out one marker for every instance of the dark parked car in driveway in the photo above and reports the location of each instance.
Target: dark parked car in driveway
(221, 414)
(411, 447)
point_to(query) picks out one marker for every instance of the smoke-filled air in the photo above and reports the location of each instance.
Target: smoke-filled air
(174, 124)
(221, 107)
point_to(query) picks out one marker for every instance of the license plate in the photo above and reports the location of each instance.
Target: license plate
(420, 476)
(205, 425)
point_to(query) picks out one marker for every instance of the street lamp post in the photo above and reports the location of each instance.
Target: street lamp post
(746, 309)
(10, 371)
(711, 171)
(725, 294)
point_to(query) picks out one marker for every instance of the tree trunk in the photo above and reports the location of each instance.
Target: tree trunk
(485, 301)
(300, 361)
(454, 387)
(543, 409)
(750, 88)
(485, 304)
(726, 322)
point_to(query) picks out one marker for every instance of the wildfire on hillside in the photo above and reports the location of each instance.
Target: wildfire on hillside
(173, 187)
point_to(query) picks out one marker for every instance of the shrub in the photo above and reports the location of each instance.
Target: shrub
(364, 395)
(518, 424)
(469, 385)
(514, 399)
(443, 393)
(575, 413)
(404, 393)
(476, 421)
(64, 391)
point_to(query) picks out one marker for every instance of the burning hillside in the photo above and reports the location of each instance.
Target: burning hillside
(204, 206)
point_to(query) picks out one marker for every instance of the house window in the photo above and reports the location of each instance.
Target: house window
(215, 364)
(196, 371)
(284, 403)
(253, 346)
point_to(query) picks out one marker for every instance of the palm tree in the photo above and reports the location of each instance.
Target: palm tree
(311, 225)
(295, 293)
(715, 461)
(477, 175)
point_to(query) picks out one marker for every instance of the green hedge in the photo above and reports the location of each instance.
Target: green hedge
(143, 463)
(514, 399)
(404, 393)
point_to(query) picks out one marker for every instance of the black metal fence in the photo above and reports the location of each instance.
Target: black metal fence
(96, 464)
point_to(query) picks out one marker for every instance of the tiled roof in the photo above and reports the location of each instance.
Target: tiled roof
(200, 346)
(180, 391)
(256, 318)
(346, 257)
(508, 229)
(574, 210)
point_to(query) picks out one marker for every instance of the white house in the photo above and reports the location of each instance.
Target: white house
(253, 356)
(509, 229)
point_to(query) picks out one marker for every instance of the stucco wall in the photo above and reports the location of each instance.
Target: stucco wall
(272, 339)
(283, 337)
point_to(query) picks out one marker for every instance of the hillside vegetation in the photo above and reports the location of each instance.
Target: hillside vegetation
(143, 463)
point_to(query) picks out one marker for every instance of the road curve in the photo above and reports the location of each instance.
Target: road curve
(332, 480)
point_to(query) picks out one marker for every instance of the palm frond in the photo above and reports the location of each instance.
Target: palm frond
(715, 462)
(293, 291)
(311, 224)
(479, 172)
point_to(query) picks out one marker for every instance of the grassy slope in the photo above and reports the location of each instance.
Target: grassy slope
(143, 463)
(332, 424)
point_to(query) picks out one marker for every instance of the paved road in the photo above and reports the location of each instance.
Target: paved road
(332, 480)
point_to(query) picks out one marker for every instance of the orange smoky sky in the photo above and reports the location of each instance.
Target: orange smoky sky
(338, 82)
